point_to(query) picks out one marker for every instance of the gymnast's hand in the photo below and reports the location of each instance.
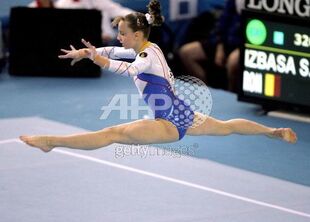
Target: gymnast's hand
(91, 52)
(74, 54)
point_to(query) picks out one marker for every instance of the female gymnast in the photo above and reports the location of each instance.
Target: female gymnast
(151, 75)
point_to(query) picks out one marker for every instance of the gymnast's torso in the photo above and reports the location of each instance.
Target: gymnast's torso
(154, 80)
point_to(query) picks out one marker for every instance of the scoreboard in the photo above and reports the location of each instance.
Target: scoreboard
(275, 60)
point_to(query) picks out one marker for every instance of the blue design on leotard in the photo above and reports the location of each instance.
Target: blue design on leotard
(159, 96)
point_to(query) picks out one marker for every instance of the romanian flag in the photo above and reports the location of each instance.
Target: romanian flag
(272, 85)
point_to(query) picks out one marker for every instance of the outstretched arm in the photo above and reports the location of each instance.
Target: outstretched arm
(142, 62)
(115, 52)
(90, 52)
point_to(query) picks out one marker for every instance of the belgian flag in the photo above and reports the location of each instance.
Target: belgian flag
(272, 85)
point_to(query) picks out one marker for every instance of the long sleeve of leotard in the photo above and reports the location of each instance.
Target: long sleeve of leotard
(141, 64)
(113, 52)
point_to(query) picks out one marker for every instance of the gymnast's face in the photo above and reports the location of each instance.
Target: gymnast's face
(126, 36)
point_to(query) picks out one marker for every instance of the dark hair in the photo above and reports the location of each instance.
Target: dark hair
(137, 21)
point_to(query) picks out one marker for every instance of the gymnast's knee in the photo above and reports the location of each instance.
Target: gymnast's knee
(227, 127)
(114, 134)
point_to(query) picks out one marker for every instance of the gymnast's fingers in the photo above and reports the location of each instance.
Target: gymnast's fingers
(66, 56)
(65, 50)
(87, 44)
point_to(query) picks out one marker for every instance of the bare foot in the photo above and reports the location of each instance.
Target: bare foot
(286, 134)
(40, 142)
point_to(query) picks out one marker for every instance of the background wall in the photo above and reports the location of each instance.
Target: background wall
(5, 5)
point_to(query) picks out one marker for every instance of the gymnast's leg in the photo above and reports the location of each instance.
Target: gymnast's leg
(137, 132)
(211, 126)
